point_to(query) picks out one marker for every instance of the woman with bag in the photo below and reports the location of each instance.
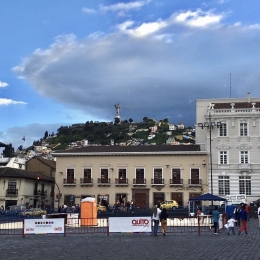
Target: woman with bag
(163, 219)
(155, 217)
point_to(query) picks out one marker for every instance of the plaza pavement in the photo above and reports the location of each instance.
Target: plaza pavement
(175, 246)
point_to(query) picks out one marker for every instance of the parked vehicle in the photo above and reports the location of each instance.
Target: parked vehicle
(234, 199)
(255, 203)
(14, 210)
(33, 212)
(101, 208)
(169, 204)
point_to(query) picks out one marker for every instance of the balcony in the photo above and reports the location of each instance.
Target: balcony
(195, 182)
(69, 182)
(121, 182)
(176, 182)
(139, 182)
(41, 193)
(11, 192)
(244, 166)
(86, 182)
(156, 182)
(103, 182)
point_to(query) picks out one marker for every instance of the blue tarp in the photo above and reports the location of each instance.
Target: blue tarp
(207, 196)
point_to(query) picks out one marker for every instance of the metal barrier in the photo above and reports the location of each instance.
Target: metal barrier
(15, 226)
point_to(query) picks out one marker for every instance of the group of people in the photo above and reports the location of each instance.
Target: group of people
(158, 216)
(241, 214)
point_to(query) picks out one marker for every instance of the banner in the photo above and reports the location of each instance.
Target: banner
(44, 226)
(130, 224)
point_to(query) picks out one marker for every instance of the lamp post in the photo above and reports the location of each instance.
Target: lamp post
(210, 125)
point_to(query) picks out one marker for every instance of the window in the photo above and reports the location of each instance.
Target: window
(245, 185)
(139, 172)
(70, 176)
(195, 174)
(223, 129)
(122, 174)
(176, 174)
(70, 173)
(87, 173)
(223, 157)
(11, 187)
(243, 129)
(157, 172)
(244, 157)
(223, 185)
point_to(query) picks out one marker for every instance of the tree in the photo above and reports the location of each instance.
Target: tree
(20, 148)
(165, 120)
(8, 151)
(46, 134)
(145, 119)
(130, 120)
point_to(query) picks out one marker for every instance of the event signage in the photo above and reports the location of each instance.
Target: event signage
(44, 226)
(130, 224)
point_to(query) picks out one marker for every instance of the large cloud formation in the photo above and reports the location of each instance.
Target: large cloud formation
(154, 69)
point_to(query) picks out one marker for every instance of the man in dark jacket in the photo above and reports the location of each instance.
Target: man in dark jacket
(244, 217)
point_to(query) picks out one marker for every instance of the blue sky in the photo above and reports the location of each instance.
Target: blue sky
(65, 62)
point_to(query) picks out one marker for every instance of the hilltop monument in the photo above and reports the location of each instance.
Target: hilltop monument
(117, 116)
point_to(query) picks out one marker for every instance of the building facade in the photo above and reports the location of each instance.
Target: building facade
(22, 187)
(144, 174)
(229, 130)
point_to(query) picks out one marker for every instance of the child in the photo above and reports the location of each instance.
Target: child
(230, 223)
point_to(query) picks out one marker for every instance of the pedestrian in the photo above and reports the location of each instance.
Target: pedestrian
(204, 210)
(215, 215)
(231, 225)
(258, 212)
(247, 209)
(156, 218)
(132, 206)
(243, 216)
(236, 213)
(163, 219)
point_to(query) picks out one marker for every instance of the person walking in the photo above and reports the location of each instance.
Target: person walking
(215, 215)
(156, 217)
(231, 225)
(247, 209)
(163, 219)
(236, 213)
(244, 217)
(258, 212)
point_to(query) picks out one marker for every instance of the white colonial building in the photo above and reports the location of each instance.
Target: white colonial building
(229, 130)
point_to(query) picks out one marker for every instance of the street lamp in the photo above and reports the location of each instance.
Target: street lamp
(210, 125)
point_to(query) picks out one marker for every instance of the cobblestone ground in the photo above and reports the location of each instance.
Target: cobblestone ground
(135, 246)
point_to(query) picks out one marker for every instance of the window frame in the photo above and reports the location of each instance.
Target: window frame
(243, 129)
(244, 157)
(223, 130)
(223, 189)
(244, 188)
(222, 157)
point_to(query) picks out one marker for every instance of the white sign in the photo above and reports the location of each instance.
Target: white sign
(130, 224)
(72, 218)
(44, 226)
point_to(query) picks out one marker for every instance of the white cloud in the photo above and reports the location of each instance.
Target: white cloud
(198, 18)
(142, 30)
(124, 6)
(184, 62)
(88, 10)
(3, 84)
(6, 102)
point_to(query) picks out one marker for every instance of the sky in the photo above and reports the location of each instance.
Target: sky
(67, 62)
